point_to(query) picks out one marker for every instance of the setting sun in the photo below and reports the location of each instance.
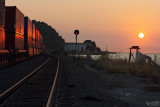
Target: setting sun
(141, 35)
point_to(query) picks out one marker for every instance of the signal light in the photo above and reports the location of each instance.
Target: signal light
(76, 32)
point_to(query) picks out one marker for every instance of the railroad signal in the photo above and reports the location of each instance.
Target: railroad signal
(76, 32)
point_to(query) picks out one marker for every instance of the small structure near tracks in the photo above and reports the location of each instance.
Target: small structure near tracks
(130, 54)
(140, 58)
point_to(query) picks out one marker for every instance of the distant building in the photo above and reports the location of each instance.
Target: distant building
(81, 47)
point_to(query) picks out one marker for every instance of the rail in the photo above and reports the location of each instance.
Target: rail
(49, 102)
(14, 87)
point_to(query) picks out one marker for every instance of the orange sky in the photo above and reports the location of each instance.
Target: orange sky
(114, 24)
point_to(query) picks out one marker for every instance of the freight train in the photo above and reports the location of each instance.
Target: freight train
(19, 37)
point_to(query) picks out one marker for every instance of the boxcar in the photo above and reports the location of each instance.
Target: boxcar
(28, 36)
(37, 41)
(2, 25)
(3, 52)
(33, 39)
(14, 21)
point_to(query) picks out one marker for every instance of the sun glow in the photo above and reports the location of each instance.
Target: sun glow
(141, 35)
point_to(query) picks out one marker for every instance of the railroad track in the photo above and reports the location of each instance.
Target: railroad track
(36, 89)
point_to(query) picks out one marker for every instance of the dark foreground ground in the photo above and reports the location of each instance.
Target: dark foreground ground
(80, 87)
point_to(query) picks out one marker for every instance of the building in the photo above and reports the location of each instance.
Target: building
(81, 47)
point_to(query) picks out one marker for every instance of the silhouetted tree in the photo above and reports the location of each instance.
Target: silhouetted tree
(87, 41)
(91, 45)
(52, 40)
(98, 49)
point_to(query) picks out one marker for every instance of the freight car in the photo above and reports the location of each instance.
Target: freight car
(20, 38)
(14, 21)
(28, 36)
(2, 24)
(37, 41)
(14, 33)
(3, 52)
(34, 39)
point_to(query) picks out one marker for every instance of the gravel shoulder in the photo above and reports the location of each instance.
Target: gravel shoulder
(83, 86)
(140, 91)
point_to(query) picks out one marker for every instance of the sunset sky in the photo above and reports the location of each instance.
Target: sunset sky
(114, 24)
